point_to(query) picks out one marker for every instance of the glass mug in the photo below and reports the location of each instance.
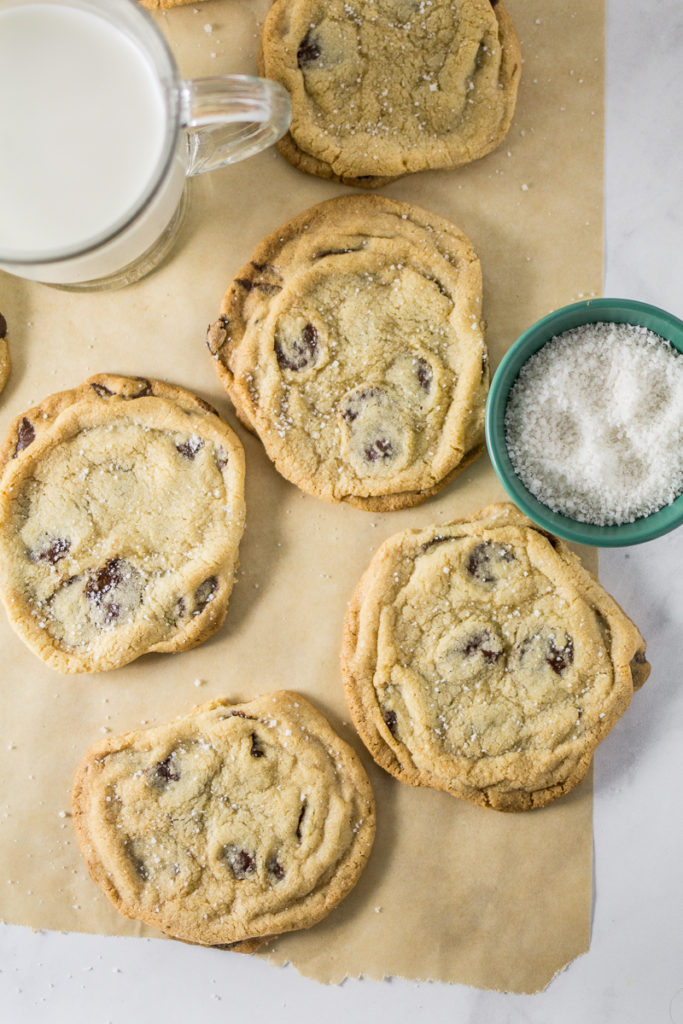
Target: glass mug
(99, 135)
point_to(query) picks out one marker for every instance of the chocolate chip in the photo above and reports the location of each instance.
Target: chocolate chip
(26, 435)
(204, 594)
(300, 353)
(299, 823)
(241, 863)
(309, 50)
(241, 714)
(145, 389)
(560, 658)
(56, 550)
(424, 374)
(379, 449)
(101, 390)
(190, 448)
(484, 644)
(181, 608)
(114, 588)
(483, 557)
(391, 722)
(104, 580)
(165, 771)
(274, 868)
(256, 748)
(3, 327)
(221, 457)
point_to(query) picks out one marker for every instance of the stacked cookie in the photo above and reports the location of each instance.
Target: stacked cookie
(482, 659)
(121, 513)
(352, 343)
(234, 823)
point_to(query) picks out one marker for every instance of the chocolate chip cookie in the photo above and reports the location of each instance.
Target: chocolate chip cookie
(481, 658)
(4, 353)
(352, 344)
(381, 88)
(121, 513)
(235, 822)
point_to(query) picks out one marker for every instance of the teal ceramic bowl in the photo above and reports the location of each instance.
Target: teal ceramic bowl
(591, 311)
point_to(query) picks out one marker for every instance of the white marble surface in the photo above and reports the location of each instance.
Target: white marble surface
(633, 972)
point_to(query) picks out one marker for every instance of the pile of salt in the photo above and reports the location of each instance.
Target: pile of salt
(594, 423)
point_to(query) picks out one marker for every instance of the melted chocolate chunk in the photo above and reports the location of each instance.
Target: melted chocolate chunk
(379, 449)
(309, 50)
(256, 748)
(274, 868)
(26, 435)
(482, 643)
(181, 608)
(424, 375)
(102, 583)
(165, 771)
(300, 353)
(241, 714)
(560, 658)
(52, 554)
(101, 390)
(204, 594)
(145, 389)
(241, 863)
(105, 579)
(3, 327)
(221, 457)
(190, 448)
(479, 563)
(391, 722)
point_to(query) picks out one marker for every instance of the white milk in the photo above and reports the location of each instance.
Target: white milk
(83, 126)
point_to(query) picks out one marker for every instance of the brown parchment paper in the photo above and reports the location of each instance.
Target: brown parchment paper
(452, 892)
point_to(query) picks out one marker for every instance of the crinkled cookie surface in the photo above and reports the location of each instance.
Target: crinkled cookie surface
(121, 512)
(380, 88)
(235, 822)
(480, 658)
(352, 343)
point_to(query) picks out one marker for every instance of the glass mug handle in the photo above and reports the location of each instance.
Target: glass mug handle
(229, 118)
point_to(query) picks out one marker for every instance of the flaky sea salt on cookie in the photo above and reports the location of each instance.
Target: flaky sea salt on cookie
(121, 513)
(233, 823)
(481, 658)
(352, 344)
(380, 88)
